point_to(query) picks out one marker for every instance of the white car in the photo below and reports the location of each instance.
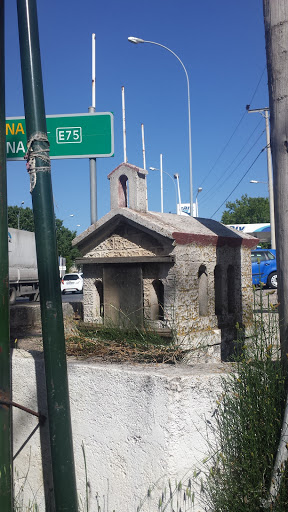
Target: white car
(72, 283)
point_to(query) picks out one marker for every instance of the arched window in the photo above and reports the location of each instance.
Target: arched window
(203, 291)
(218, 290)
(123, 190)
(157, 300)
(99, 297)
(231, 288)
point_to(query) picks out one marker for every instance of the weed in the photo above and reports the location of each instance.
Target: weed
(118, 345)
(247, 426)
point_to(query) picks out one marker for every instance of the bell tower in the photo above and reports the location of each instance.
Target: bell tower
(128, 188)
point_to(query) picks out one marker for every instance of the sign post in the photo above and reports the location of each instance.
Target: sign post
(70, 136)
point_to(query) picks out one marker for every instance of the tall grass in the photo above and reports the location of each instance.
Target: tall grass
(247, 426)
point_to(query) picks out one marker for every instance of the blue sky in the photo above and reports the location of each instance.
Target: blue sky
(223, 49)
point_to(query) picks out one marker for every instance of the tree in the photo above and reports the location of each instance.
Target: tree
(64, 243)
(247, 210)
(63, 235)
(23, 215)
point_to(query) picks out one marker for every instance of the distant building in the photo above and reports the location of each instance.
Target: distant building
(260, 231)
(191, 276)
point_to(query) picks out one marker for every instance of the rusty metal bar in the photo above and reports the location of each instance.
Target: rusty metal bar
(14, 404)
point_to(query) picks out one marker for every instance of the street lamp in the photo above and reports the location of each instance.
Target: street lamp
(257, 181)
(154, 169)
(137, 40)
(18, 216)
(196, 200)
(176, 176)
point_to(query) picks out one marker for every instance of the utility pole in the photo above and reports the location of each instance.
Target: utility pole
(276, 35)
(5, 378)
(161, 182)
(38, 165)
(124, 125)
(92, 161)
(143, 146)
(176, 176)
(264, 112)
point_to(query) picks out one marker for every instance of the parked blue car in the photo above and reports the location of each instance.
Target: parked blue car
(264, 267)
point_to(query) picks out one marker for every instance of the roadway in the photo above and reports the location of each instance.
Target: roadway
(68, 297)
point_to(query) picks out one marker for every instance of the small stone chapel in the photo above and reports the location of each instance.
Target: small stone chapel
(190, 276)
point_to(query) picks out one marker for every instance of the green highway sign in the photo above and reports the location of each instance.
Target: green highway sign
(70, 136)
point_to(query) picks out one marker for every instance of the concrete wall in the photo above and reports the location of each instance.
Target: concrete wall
(138, 424)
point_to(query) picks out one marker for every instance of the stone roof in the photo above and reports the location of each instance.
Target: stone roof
(129, 166)
(181, 228)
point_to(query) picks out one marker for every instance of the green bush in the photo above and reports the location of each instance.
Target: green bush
(247, 427)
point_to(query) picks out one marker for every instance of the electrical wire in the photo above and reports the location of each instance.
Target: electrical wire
(245, 174)
(235, 168)
(223, 150)
(257, 85)
(222, 179)
(235, 130)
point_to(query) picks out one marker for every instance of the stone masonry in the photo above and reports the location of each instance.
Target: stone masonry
(191, 276)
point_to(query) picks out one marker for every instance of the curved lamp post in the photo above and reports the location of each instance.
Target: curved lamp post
(137, 40)
(154, 169)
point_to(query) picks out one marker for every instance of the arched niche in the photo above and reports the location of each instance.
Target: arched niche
(157, 300)
(218, 289)
(99, 302)
(231, 288)
(203, 291)
(123, 191)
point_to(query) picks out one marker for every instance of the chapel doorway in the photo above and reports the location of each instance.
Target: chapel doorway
(123, 295)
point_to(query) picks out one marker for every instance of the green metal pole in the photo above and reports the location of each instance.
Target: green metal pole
(38, 165)
(5, 387)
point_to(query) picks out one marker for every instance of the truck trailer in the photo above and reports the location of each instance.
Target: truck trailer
(23, 271)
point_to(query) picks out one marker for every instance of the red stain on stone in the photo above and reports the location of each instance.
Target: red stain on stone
(219, 241)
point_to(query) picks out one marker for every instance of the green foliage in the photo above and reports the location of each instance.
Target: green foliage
(247, 210)
(247, 429)
(64, 243)
(24, 215)
(63, 235)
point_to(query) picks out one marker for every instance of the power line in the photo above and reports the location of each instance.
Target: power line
(263, 149)
(223, 150)
(235, 130)
(235, 169)
(257, 85)
(228, 167)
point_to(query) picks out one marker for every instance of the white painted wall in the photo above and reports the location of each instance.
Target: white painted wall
(138, 424)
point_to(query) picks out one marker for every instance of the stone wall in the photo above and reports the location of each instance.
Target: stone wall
(201, 310)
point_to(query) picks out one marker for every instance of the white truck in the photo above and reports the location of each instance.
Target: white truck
(23, 272)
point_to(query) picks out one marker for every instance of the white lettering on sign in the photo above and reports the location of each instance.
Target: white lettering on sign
(69, 135)
(239, 228)
(11, 147)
